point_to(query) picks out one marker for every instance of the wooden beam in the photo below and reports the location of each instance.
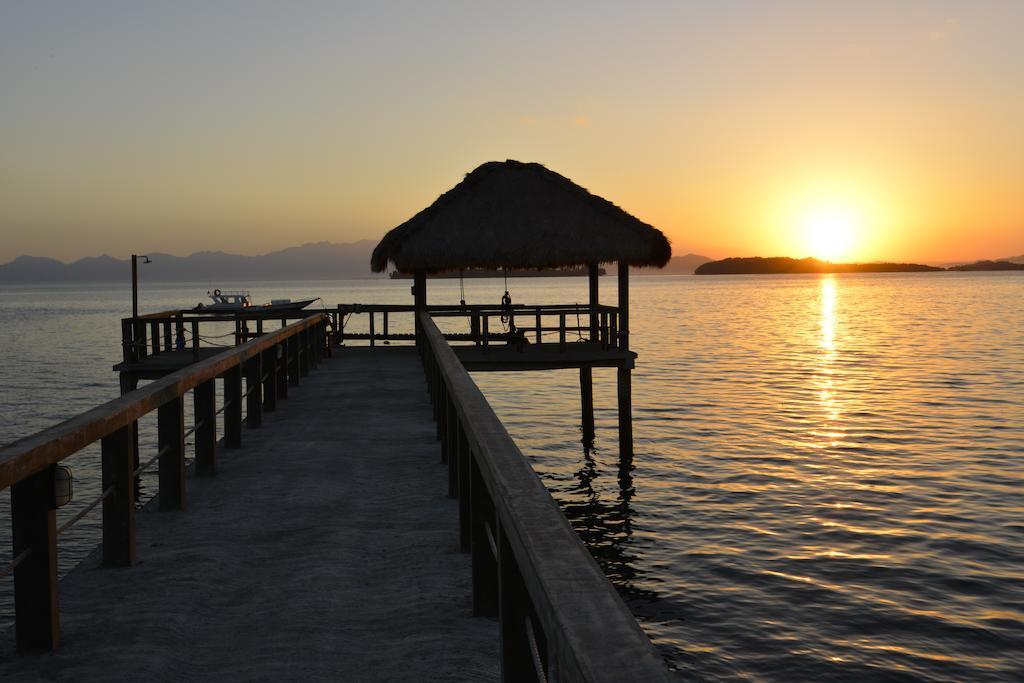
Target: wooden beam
(34, 526)
(204, 399)
(171, 441)
(118, 465)
(592, 273)
(623, 328)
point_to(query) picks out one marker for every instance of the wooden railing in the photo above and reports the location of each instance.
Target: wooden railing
(269, 363)
(486, 324)
(560, 617)
(166, 331)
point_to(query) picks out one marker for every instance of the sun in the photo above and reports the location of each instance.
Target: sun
(830, 231)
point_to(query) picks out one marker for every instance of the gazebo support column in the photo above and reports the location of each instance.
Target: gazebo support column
(587, 406)
(592, 272)
(419, 297)
(625, 373)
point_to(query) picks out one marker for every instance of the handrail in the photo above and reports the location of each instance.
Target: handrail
(587, 631)
(28, 466)
(32, 454)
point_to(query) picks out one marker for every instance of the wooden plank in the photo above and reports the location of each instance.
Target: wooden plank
(34, 527)
(118, 471)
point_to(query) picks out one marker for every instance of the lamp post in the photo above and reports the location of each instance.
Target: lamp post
(135, 282)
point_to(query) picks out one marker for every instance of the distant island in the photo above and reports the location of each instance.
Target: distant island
(989, 265)
(759, 265)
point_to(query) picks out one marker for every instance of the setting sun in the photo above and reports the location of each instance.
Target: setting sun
(830, 231)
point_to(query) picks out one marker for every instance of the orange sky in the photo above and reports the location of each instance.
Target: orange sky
(737, 128)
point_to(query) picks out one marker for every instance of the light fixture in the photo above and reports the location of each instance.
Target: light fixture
(63, 485)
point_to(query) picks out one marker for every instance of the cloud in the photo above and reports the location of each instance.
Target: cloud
(580, 121)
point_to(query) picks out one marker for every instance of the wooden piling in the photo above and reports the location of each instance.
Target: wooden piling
(592, 273)
(34, 526)
(205, 437)
(233, 407)
(587, 406)
(118, 472)
(171, 442)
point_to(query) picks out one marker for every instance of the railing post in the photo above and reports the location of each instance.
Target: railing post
(204, 399)
(539, 336)
(233, 407)
(373, 333)
(281, 351)
(154, 333)
(451, 428)
(293, 360)
(118, 464)
(270, 381)
(485, 564)
(34, 526)
(171, 440)
(561, 331)
(303, 352)
(195, 340)
(254, 391)
(513, 610)
(465, 495)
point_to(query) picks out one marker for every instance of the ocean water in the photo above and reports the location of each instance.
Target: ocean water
(828, 479)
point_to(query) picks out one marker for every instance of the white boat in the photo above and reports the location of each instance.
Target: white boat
(240, 300)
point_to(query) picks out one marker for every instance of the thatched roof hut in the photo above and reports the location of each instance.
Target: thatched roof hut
(519, 215)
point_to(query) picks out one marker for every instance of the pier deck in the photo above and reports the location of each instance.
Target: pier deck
(324, 548)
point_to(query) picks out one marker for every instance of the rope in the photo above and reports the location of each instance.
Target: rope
(89, 508)
(13, 564)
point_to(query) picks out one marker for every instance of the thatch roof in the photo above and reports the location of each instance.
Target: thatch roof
(516, 215)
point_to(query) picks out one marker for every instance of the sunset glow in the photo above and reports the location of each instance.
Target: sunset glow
(716, 124)
(830, 231)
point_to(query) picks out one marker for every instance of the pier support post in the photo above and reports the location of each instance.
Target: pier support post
(254, 392)
(130, 383)
(117, 456)
(171, 442)
(34, 526)
(205, 403)
(593, 272)
(270, 379)
(281, 352)
(465, 512)
(587, 405)
(233, 407)
(419, 297)
(303, 352)
(625, 373)
(293, 360)
(483, 549)
(625, 386)
(513, 611)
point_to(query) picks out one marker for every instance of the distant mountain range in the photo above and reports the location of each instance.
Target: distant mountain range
(313, 261)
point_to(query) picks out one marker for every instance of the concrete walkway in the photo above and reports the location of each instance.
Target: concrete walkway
(325, 549)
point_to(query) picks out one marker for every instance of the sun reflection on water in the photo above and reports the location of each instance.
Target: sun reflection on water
(826, 367)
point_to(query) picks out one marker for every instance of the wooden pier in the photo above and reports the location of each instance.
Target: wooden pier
(324, 549)
(329, 535)
(310, 540)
